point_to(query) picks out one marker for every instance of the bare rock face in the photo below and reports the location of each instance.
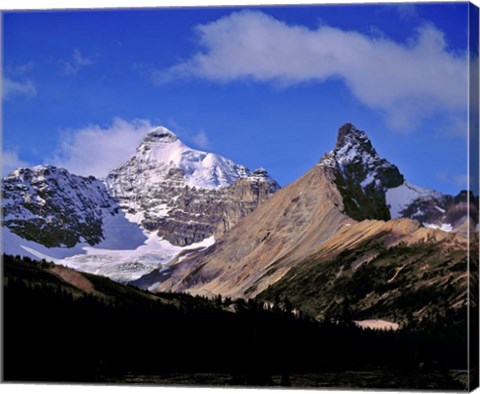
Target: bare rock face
(183, 194)
(362, 175)
(50, 206)
(243, 197)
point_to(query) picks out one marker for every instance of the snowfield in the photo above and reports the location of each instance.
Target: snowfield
(126, 254)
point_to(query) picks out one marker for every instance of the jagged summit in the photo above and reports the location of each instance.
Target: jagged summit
(350, 137)
(162, 156)
(374, 188)
(261, 173)
(160, 134)
(41, 171)
(354, 147)
(346, 133)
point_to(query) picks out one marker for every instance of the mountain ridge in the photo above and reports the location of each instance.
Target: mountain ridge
(83, 222)
(311, 219)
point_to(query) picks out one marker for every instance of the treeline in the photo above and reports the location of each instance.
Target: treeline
(53, 334)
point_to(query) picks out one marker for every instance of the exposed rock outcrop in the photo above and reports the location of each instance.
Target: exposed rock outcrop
(50, 206)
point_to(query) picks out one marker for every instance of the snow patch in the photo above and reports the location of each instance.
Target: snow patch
(377, 324)
(368, 180)
(400, 197)
(446, 227)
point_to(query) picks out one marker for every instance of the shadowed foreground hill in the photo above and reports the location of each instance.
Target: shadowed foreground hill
(60, 325)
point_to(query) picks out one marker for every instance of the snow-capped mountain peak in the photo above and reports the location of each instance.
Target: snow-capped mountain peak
(357, 158)
(183, 193)
(162, 154)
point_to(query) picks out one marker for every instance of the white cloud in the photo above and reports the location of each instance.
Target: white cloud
(11, 161)
(201, 139)
(73, 65)
(407, 82)
(12, 88)
(95, 150)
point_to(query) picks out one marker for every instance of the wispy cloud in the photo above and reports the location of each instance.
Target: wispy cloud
(408, 83)
(75, 63)
(406, 10)
(11, 161)
(21, 69)
(457, 180)
(11, 88)
(201, 139)
(95, 150)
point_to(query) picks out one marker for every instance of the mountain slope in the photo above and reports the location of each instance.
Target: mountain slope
(290, 224)
(394, 271)
(362, 175)
(55, 208)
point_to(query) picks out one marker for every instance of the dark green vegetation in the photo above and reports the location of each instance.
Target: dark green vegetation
(94, 330)
(403, 284)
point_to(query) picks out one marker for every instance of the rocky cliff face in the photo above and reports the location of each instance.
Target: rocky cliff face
(55, 208)
(362, 176)
(183, 194)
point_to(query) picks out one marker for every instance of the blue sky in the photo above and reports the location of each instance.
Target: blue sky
(263, 86)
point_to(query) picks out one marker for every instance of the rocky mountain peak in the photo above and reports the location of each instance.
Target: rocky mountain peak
(353, 145)
(361, 175)
(160, 134)
(346, 133)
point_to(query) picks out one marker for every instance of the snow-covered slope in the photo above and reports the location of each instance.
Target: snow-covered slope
(159, 157)
(399, 198)
(126, 253)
